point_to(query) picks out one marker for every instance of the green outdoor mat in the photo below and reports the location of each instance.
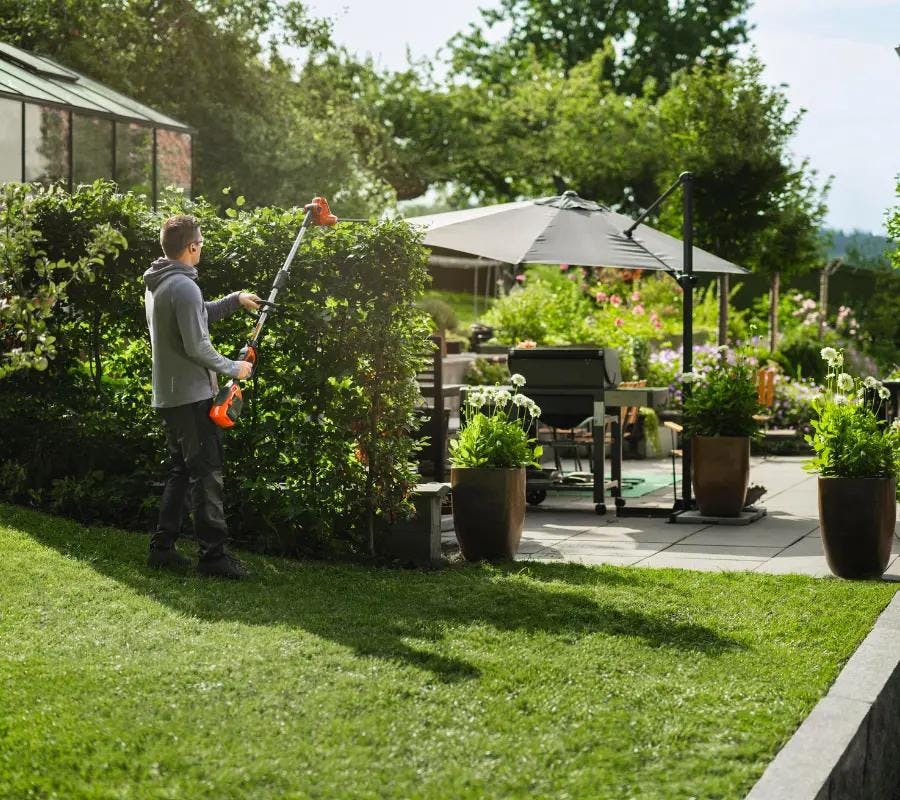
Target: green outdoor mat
(649, 483)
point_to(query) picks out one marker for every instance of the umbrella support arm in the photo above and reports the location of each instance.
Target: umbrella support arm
(686, 280)
(656, 203)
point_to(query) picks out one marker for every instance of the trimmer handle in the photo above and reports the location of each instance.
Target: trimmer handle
(229, 402)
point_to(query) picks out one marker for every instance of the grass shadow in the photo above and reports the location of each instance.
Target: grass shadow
(376, 611)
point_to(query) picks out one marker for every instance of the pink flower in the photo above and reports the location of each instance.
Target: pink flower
(520, 278)
(638, 310)
(600, 297)
(620, 322)
(635, 297)
(563, 267)
(657, 324)
(615, 300)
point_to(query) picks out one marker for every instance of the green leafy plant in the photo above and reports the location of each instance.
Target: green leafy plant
(723, 400)
(496, 427)
(484, 372)
(848, 439)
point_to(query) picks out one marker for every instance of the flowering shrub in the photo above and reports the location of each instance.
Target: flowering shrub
(794, 401)
(848, 439)
(665, 367)
(495, 431)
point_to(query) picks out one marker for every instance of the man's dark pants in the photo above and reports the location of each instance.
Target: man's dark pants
(194, 443)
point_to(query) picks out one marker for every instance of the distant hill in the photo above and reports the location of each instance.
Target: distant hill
(860, 248)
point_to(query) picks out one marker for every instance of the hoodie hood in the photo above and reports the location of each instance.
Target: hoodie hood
(162, 268)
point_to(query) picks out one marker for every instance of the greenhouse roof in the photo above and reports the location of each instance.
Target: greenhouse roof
(29, 77)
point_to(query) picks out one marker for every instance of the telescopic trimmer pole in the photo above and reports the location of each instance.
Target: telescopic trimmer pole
(280, 279)
(227, 405)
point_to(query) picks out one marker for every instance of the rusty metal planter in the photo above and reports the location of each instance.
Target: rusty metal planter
(488, 511)
(857, 517)
(720, 474)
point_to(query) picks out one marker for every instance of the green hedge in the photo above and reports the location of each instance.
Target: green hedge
(322, 456)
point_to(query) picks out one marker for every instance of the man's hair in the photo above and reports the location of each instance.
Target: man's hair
(177, 233)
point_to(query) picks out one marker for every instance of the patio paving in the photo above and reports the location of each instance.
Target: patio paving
(786, 540)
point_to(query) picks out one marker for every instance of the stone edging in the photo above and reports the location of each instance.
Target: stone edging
(848, 748)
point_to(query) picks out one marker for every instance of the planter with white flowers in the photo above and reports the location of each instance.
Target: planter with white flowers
(487, 475)
(857, 459)
(719, 420)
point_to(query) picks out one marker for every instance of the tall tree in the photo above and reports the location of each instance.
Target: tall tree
(653, 38)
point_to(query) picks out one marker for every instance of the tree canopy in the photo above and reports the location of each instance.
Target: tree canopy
(653, 39)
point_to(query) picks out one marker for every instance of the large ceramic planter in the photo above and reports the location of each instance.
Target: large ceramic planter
(857, 517)
(720, 473)
(488, 511)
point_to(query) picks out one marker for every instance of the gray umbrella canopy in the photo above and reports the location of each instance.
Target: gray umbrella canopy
(562, 230)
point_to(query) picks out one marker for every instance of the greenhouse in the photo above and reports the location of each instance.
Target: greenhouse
(57, 125)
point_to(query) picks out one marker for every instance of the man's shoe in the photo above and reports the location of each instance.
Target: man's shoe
(223, 566)
(168, 558)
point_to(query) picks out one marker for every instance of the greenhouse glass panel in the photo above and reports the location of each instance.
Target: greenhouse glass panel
(173, 159)
(92, 149)
(46, 144)
(134, 158)
(10, 140)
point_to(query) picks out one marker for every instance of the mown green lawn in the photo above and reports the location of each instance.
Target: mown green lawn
(339, 681)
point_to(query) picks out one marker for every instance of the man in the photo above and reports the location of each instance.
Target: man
(185, 366)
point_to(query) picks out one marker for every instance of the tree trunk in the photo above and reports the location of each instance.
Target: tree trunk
(774, 295)
(723, 309)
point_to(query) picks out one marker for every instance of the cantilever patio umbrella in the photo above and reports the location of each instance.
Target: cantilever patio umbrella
(562, 230)
(571, 230)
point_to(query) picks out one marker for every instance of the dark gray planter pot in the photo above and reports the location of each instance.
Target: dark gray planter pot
(720, 471)
(857, 517)
(488, 511)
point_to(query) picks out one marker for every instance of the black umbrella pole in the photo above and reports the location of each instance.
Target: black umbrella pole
(687, 284)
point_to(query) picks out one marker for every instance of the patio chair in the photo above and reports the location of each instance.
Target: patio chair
(432, 457)
(765, 395)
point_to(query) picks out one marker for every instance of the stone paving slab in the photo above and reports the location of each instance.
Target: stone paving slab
(786, 540)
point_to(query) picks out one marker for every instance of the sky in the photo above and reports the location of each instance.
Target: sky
(836, 58)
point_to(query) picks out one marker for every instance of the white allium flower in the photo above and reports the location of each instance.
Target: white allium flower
(838, 360)
(534, 409)
(883, 392)
(688, 377)
(870, 382)
(502, 397)
(840, 400)
(829, 354)
(845, 382)
(517, 379)
(520, 400)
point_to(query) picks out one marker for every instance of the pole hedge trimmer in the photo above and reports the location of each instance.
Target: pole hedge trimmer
(226, 408)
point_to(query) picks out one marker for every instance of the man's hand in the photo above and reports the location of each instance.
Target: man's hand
(250, 301)
(244, 370)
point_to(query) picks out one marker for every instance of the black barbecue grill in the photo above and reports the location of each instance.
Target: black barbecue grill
(568, 383)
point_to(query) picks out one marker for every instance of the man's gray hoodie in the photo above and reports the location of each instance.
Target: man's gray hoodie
(185, 363)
